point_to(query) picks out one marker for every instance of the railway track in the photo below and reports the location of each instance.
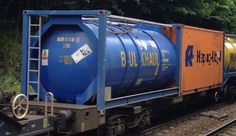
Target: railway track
(169, 126)
(152, 130)
(227, 129)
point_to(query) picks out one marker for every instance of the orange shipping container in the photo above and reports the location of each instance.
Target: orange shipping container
(202, 58)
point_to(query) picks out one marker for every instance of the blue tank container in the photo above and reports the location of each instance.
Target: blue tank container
(137, 60)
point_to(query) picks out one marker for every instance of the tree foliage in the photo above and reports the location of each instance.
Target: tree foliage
(10, 58)
(213, 14)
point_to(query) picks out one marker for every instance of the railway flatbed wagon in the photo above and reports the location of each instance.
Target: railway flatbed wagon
(87, 69)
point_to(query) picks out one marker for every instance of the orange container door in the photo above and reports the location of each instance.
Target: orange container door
(202, 58)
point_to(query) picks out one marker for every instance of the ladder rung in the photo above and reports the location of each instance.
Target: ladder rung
(32, 70)
(34, 47)
(33, 93)
(34, 36)
(34, 25)
(33, 82)
(34, 59)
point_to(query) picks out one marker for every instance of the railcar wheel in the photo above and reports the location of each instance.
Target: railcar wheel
(216, 96)
(20, 106)
(115, 126)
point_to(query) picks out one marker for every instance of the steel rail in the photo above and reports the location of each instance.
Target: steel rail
(187, 115)
(220, 128)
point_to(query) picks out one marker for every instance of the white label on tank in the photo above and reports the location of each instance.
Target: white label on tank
(81, 53)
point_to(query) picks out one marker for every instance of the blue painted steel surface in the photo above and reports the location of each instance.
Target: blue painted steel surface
(131, 99)
(101, 62)
(230, 74)
(24, 53)
(133, 60)
(178, 47)
(67, 12)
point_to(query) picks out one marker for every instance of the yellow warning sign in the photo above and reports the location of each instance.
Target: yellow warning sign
(45, 53)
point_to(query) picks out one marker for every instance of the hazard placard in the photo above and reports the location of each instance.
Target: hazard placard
(81, 53)
(44, 62)
(45, 53)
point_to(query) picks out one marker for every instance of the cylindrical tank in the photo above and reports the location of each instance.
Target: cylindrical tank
(230, 54)
(137, 60)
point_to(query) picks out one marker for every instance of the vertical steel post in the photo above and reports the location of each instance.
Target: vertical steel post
(101, 61)
(24, 53)
(178, 48)
(223, 60)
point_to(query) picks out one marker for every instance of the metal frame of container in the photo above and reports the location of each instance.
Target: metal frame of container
(102, 16)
